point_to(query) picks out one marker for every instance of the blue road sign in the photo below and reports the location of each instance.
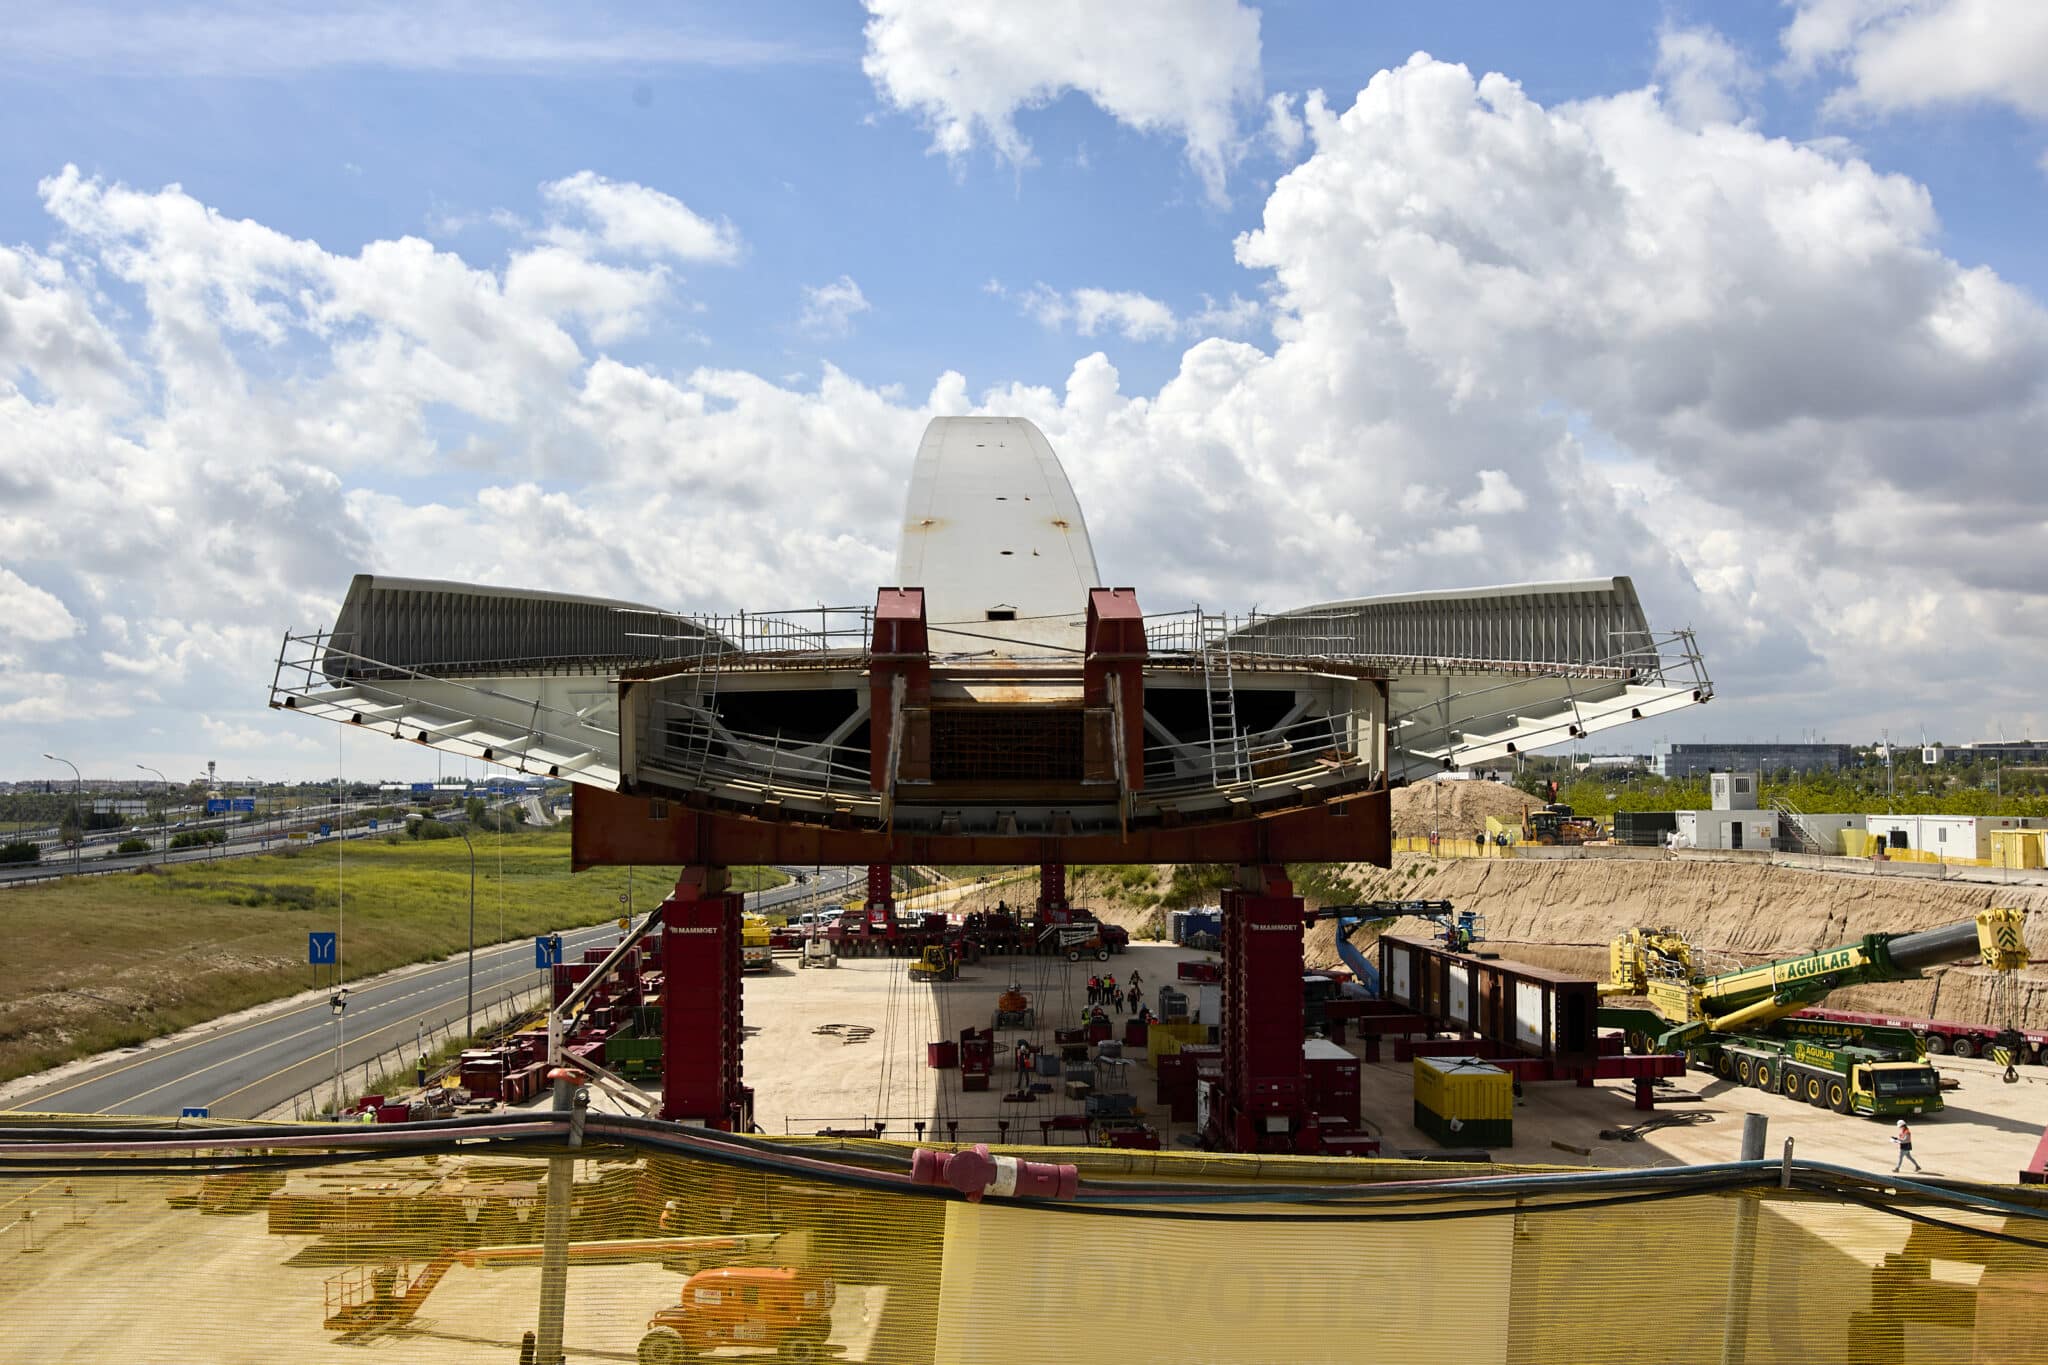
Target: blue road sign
(320, 948)
(326, 830)
(422, 788)
(216, 805)
(373, 822)
(247, 803)
(195, 1111)
(547, 951)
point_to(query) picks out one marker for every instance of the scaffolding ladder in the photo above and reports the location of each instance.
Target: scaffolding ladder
(1228, 760)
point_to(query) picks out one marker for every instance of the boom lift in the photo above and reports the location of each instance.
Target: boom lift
(1741, 1024)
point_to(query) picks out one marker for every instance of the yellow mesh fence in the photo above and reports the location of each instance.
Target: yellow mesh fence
(439, 1255)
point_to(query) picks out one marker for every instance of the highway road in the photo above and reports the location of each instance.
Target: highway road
(243, 1069)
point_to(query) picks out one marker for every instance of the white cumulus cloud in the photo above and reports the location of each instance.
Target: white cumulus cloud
(1504, 342)
(27, 612)
(637, 220)
(829, 309)
(967, 68)
(1705, 79)
(1910, 54)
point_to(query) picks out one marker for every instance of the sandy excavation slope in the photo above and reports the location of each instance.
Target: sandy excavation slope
(1563, 913)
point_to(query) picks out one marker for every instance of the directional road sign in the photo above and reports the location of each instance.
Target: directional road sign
(421, 788)
(246, 803)
(320, 948)
(216, 805)
(194, 1111)
(547, 951)
(326, 830)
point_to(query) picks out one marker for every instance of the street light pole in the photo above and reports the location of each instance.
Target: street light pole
(338, 1002)
(469, 1010)
(77, 789)
(163, 826)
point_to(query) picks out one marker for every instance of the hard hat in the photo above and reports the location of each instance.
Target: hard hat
(1902, 1123)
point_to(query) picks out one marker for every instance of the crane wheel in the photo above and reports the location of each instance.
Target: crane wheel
(1764, 1078)
(1814, 1091)
(1744, 1069)
(1936, 1043)
(1964, 1047)
(1791, 1083)
(1838, 1097)
(1724, 1066)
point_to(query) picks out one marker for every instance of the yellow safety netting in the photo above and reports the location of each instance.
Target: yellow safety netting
(435, 1256)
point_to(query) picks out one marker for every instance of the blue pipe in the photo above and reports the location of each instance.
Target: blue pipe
(1366, 974)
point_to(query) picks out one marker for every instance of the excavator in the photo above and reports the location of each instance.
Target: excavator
(1745, 1026)
(1458, 930)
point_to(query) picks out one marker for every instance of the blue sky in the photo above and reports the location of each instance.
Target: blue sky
(1325, 363)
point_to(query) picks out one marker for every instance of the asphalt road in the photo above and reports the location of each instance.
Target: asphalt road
(243, 1069)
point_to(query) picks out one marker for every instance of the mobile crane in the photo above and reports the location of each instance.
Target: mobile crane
(1742, 1025)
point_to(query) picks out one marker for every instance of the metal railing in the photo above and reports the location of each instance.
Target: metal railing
(1257, 640)
(315, 674)
(826, 636)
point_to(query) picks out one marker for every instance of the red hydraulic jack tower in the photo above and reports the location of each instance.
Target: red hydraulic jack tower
(700, 1004)
(1263, 1104)
(1052, 893)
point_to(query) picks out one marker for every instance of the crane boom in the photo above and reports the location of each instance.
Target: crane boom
(1659, 964)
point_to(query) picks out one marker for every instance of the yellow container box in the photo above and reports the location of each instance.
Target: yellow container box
(1464, 1088)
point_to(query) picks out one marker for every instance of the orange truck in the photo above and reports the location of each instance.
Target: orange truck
(767, 1308)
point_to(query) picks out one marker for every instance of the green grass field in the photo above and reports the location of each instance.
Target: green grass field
(104, 962)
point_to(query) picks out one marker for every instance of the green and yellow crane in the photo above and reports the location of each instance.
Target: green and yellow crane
(1744, 1024)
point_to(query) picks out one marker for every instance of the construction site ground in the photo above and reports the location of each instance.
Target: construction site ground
(805, 1081)
(187, 1279)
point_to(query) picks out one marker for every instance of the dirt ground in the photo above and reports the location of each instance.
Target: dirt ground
(189, 1285)
(1457, 809)
(804, 1081)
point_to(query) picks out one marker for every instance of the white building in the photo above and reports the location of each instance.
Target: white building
(1950, 836)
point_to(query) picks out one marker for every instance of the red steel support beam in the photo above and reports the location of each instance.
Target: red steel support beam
(881, 899)
(1052, 893)
(901, 648)
(1115, 667)
(1265, 1083)
(612, 829)
(700, 1003)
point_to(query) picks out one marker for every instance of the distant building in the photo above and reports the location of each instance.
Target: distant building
(1697, 760)
(2001, 750)
(1612, 762)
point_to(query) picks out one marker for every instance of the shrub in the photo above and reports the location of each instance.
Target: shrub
(132, 846)
(22, 852)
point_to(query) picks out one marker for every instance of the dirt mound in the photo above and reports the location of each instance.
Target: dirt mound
(1456, 809)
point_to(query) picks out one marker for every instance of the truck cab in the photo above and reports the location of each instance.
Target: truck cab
(757, 944)
(1894, 1088)
(770, 1308)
